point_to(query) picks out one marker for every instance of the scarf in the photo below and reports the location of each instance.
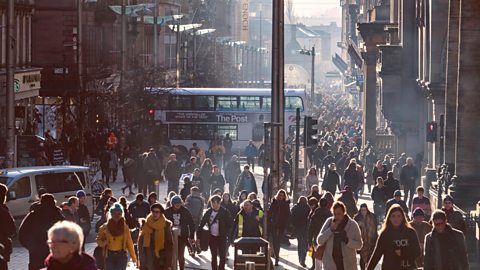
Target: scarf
(116, 229)
(157, 227)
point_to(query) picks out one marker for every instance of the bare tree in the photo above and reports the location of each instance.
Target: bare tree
(290, 12)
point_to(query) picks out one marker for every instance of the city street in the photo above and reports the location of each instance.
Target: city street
(289, 257)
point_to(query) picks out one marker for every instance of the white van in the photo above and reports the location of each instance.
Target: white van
(61, 181)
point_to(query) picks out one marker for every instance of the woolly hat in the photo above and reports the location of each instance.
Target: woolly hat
(116, 207)
(81, 193)
(176, 199)
(418, 212)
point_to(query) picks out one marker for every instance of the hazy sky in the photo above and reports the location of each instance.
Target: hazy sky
(326, 10)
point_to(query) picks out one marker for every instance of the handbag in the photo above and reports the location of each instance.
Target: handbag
(205, 234)
(319, 250)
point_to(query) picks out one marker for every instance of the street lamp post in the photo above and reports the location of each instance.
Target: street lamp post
(312, 75)
(10, 92)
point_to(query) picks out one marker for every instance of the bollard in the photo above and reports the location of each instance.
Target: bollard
(175, 233)
(249, 265)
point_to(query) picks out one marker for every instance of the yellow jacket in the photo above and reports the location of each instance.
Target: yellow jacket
(122, 242)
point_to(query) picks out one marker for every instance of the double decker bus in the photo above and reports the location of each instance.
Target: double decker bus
(188, 115)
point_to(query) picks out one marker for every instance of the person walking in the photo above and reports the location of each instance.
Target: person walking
(218, 222)
(246, 181)
(195, 203)
(397, 243)
(113, 165)
(379, 197)
(105, 165)
(342, 238)
(299, 220)
(7, 225)
(367, 222)
(445, 246)
(153, 167)
(232, 170)
(379, 170)
(454, 217)
(397, 199)
(316, 221)
(332, 180)
(251, 152)
(391, 185)
(115, 239)
(352, 178)
(182, 219)
(312, 178)
(129, 174)
(155, 242)
(84, 217)
(422, 228)
(205, 172)
(420, 201)
(32, 233)
(217, 181)
(248, 223)
(279, 215)
(347, 197)
(139, 208)
(173, 171)
(408, 178)
(65, 241)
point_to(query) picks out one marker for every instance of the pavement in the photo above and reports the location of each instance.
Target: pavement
(288, 254)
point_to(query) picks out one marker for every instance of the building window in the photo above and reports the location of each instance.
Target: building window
(249, 103)
(21, 188)
(226, 103)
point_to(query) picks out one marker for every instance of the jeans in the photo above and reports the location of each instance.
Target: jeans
(379, 211)
(302, 246)
(116, 260)
(277, 234)
(251, 162)
(182, 243)
(217, 248)
(408, 191)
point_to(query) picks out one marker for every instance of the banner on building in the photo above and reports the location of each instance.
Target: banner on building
(244, 23)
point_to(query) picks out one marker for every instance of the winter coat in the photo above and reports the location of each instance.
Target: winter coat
(455, 251)
(33, 232)
(173, 171)
(455, 219)
(241, 181)
(248, 225)
(408, 175)
(392, 202)
(279, 213)
(81, 261)
(195, 204)
(7, 230)
(127, 244)
(299, 218)
(376, 173)
(139, 210)
(368, 228)
(349, 249)
(251, 150)
(422, 229)
(84, 214)
(311, 180)
(403, 239)
(391, 184)
(146, 255)
(232, 171)
(183, 219)
(217, 181)
(331, 182)
(379, 195)
(319, 217)
(349, 201)
(352, 178)
(232, 208)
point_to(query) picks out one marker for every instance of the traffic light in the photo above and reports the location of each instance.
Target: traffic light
(431, 132)
(310, 131)
(151, 114)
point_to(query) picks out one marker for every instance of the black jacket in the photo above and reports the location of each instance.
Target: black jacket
(225, 222)
(379, 195)
(7, 230)
(183, 219)
(408, 175)
(173, 171)
(251, 226)
(391, 184)
(331, 182)
(403, 239)
(232, 171)
(299, 218)
(455, 219)
(316, 223)
(217, 181)
(455, 251)
(279, 213)
(352, 179)
(33, 232)
(392, 202)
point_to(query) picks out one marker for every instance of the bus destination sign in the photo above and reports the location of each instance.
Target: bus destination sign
(213, 117)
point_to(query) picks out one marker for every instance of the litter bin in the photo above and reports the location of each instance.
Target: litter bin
(260, 259)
